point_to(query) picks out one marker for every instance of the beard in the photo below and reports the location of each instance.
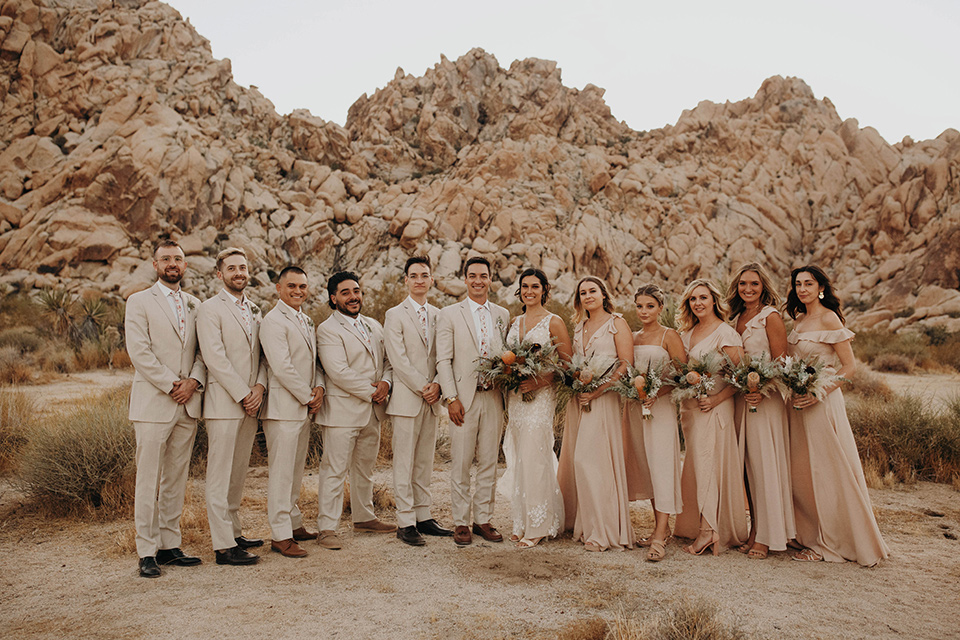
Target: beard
(169, 278)
(229, 284)
(342, 309)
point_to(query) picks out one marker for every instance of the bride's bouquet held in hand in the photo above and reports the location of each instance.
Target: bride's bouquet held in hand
(696, 378)
(754, 374)
(520, 360)
(637, 384)
(807, 377)
(585, 375)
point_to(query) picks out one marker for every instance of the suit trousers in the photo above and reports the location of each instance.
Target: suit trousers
(287, 443)
(414, 443)
(479, 436)
(163, 462)
(228, 458)
(352, 449)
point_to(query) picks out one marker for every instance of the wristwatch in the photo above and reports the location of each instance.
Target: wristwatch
(450, 400)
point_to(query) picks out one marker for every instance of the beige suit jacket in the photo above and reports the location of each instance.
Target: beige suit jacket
(351, 366)
(457, 350)
(292, 367)
(231, 357)
(160, 357)
(413, 359)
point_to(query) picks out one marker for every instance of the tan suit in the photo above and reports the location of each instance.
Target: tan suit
(479, 435)
(232, 357)
(349, 419)
(414, 360)
(293, 372)
(165, 430)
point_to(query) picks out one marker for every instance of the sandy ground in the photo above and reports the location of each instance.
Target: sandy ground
(61, 577)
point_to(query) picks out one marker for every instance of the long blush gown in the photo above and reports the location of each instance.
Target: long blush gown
(712, 477)
(653, 446)
(766, 452)
(833, 510)
(593, 475)
(531, 475)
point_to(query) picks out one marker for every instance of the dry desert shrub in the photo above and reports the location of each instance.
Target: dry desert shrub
(385, 454)
(867, 384)
(383, 502)
(17, 412)
(868, 345)
(14, 367)
(893, 363)
(689, 619)
(82, 460)
(594, 628)
(907, 437)
(25, 339)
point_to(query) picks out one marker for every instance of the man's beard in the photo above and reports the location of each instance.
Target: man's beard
(169, 279)
(232, 287)
(347, 313)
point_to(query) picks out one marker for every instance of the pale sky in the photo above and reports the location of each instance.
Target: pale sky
(894, 66)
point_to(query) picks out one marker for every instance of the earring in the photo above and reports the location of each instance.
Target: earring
(821, 295)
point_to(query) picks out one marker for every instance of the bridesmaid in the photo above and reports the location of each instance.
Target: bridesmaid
(593, 475)
(712, 479)
(653, 469)
(834, 515)
(753, 305)
(531, 476)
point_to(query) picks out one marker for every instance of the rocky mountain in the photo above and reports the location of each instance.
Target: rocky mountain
(119, 126)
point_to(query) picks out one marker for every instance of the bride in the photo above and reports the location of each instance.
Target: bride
(531, 475)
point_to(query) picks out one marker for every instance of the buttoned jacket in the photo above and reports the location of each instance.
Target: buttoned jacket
(458, 352)
(293, 369)
(412, 356)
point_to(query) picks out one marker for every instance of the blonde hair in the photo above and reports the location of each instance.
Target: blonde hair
(651, 291)
(769, 297)
(685, 318)
(579, 313)
(226, 253)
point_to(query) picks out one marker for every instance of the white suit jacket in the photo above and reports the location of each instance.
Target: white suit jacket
(413, 358)
(231, 357)
(457, 350)
(351, 366)
(160, 356)
(292, 366)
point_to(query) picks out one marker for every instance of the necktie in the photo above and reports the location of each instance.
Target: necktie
(303, 323)
(245, 314)
(363, 332)
(484, 332)
(181, 317)
(422, 314)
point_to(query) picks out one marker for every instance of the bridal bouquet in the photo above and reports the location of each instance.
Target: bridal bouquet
(806, 377)
(696, 378)
(754, 374)
(519, 361)
(587, 374)
(639, 384)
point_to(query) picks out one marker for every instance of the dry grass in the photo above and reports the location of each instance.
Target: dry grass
(383, 502)
(17, 420)
(82, 460)
(385, 454)
(866, 384)
(689, 619)
(14, 367)
(594, 628)
(893, 363)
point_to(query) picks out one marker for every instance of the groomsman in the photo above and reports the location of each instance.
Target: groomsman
(409, 331)
(358, 377)
(466, 331)
(161, 337)
(294, 393)
(228, 328)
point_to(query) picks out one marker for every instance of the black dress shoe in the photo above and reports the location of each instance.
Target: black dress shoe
(248, 543)
(149, 568)
(176, 557)
(410, 536)
(432, 528)
(236, 556)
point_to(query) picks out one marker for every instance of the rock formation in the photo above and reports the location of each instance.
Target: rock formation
(118, 126)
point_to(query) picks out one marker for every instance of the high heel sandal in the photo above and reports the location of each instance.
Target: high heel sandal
(528, 543)
(657, 550)
(714, 542)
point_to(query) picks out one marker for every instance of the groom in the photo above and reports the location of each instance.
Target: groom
(465, 332)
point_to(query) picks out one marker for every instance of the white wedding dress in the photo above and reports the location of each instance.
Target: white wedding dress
(531, 475)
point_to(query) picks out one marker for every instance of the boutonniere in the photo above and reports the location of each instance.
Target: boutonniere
(309, 321)
(255, 309)
(367, 326)
(190, 305)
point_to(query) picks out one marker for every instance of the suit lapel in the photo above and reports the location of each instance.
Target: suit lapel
(289, 314)
(160, 296)
(347, 324)
(415, 319)
(231, 303)
(468, 320)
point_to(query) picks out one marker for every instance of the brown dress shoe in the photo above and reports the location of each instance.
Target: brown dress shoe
(288, 548)
(487, 532)
(374, 526)
(461, 535)
(302, 534)
(329, 540)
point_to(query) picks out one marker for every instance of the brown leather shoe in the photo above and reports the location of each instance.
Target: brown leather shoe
(374, 526)
(330, 540)
(461, 535)
(302, 534)
(487, 532)
(288, 548)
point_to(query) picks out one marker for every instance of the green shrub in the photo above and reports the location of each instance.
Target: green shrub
(908, 437)
(82, 459)
(867, 345)
(17, 417)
